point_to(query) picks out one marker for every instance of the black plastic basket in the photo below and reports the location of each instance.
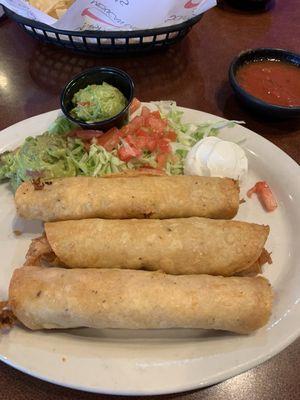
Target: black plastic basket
(106, 42)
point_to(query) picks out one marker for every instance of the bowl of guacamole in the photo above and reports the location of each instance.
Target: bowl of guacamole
(98, 98)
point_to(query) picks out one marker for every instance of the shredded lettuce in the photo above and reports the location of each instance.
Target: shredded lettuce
(148, 159)
(97, 161)
(54, 154)
(188, 134)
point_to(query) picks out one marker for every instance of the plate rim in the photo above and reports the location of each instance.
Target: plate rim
(219, 377)
(235, 371)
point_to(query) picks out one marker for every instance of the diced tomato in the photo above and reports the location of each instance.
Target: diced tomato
(126, 152)
(87, 134)
(146, 132)
(164, 145)
(145, 112)
(151, 144)
(162, 160)
(131, 140)
(84, 103)
(137, 122)
(142, 141)
(145, 140)
(135, 105)
(143, 132)
(251, 191)
(171, 135)
(156, 114)
(264, 195)
(157, 124)
(125, 130)
(110, 139)
(137, 141)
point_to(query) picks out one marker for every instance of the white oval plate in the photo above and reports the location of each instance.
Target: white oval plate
(168, 361)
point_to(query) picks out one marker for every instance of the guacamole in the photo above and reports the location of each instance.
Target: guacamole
(96, 103)
(43, 156)
(56, 154)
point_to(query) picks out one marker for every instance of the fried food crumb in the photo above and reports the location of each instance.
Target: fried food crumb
(38, 184)
(63, 359)
(265, 257)
(7, 318)
(17, 232)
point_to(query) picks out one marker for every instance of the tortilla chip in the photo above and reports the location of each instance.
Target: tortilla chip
(60, 12)
(54, 8)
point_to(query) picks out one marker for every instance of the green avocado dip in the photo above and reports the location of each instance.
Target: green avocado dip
(96, 103)
(57, 153)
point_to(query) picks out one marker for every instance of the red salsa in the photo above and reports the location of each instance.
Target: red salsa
(275, 82)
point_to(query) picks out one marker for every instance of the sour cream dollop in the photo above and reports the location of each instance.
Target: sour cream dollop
(212, 156)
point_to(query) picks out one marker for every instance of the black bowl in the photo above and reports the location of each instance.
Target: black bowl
(115, 77)
(250, 4)
(253, 103)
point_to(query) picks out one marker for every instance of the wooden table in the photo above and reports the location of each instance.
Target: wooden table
(194, 73)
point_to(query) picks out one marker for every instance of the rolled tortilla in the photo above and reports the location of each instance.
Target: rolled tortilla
(68, 298)
(176, 246)
(119, 198)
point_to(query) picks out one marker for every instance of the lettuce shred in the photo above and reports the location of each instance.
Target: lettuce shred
(188, 134)
(56, 154)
